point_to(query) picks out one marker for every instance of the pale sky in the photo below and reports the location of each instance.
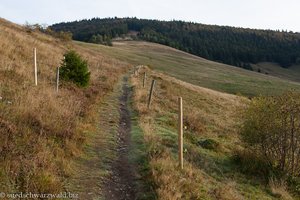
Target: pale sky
(261, 14)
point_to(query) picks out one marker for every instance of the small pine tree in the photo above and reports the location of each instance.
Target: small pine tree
(75, 69)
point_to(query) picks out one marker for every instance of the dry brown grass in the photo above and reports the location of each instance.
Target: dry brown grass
(207, 114)
(41, 130)
(279, 189)
(178, 185)
(227, 191)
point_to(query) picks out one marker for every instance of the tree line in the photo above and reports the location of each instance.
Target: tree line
(229, 45)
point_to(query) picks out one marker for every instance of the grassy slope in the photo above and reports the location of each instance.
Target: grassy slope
(196, 70)
(42, 131)
(292, 73)
(208, 115)
(209, 172)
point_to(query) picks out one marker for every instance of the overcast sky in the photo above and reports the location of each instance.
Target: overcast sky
(262, 14)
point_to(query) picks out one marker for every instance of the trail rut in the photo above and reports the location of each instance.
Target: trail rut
(120, 184)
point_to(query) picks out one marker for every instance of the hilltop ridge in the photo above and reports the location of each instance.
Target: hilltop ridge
(234, 46)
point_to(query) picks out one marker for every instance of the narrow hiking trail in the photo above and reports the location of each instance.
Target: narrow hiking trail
(120, 184)
(104, 170)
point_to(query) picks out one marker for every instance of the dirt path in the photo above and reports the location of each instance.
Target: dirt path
(120, 184)
(104, 170)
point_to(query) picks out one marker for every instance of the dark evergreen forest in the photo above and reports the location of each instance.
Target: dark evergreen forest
(234, 46)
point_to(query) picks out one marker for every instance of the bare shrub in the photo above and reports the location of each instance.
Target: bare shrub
(271, 129)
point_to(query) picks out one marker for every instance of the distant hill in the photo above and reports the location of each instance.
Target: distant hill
(235, 46)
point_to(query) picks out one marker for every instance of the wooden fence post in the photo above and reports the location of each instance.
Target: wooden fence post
(180, 133)
(144, 80)
(35, 66)
(136, 71)
(57, 79)
(151, 93)
(97, 66)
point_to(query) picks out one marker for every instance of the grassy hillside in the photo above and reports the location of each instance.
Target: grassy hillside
(41, 131)
(196, 70)
(292, 73)
(211, 139)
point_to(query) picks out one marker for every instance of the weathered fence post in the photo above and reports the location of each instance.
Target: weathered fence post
(97, 66)
(57, 79)
(151, 93)
(144, 80)
(138, 69)
(180, 133)
(135, 72)
(35, 66)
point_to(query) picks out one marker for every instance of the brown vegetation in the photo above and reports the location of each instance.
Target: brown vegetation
(208, 114)
(211, 126)
(41, 130)
(271, 129)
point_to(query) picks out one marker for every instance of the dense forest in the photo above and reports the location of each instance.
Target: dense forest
(234, 46)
